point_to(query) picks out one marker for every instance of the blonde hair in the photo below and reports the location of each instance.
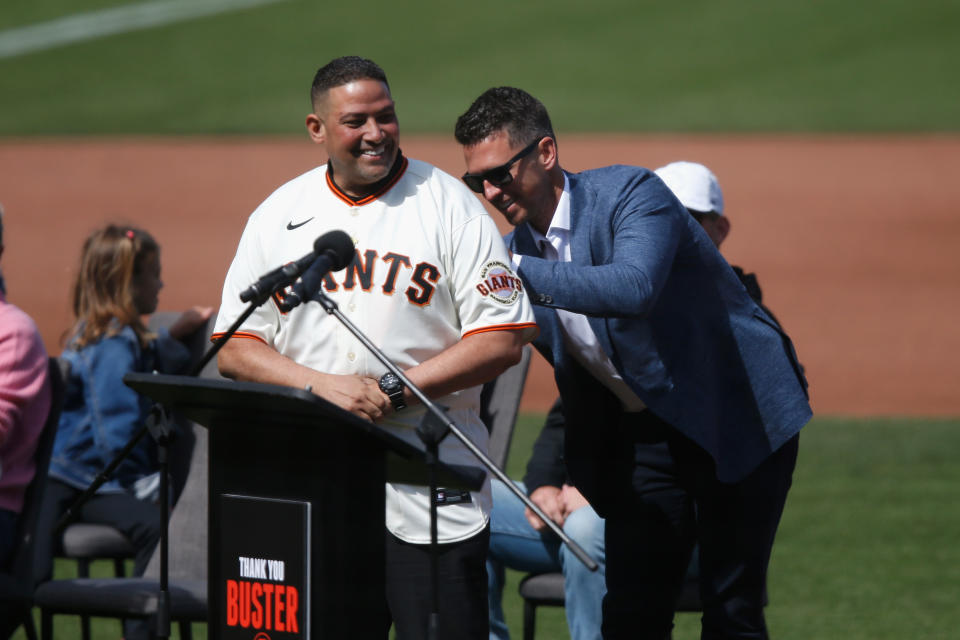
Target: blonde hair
(103, 293)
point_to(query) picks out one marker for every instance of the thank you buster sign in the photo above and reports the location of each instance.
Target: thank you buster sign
(265, 562)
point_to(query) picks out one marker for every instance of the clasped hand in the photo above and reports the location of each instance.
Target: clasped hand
(556, 502)
(359, 395)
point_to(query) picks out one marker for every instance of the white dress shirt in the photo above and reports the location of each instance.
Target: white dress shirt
(578, 337)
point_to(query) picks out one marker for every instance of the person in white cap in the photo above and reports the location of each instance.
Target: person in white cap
(698, 190)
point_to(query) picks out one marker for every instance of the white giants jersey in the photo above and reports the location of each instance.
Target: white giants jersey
(429, 269)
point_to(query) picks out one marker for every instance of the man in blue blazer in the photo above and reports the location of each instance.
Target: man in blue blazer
(683, 398)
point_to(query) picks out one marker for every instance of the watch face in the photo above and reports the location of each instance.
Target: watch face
(389, 382)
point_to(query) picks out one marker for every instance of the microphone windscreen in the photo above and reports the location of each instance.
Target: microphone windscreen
(338, 246)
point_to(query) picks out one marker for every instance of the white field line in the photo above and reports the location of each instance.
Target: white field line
(97, 24)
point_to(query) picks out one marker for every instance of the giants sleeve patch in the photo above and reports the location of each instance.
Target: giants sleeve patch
(498, 283)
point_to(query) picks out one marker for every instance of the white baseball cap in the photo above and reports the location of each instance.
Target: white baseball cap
(694, 185)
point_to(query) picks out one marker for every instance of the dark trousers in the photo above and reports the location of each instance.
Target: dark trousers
(462, 588)
(9, 613)
(8, 536)
(136, 519)
(676, 501)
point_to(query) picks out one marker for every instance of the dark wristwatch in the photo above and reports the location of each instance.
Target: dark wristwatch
(391, 385)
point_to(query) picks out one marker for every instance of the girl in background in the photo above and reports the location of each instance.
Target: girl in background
(118, 283)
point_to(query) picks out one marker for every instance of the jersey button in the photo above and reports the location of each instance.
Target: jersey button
(351, 307)
(351, 356)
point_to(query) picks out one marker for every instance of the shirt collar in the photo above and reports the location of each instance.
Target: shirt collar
(560, 223)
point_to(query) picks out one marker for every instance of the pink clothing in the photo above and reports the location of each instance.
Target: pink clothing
(24, 401)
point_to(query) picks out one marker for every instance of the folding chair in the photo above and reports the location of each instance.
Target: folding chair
(87, 542)
(499, 404)
(137, 597)
(546, 590)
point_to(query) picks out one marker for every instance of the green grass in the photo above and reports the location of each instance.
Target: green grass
(867, 549)
(607, 66)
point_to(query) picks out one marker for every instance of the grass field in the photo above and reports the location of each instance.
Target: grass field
(607, 65)
(867, 549)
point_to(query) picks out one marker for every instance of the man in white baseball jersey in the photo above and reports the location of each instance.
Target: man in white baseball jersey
(430, 284)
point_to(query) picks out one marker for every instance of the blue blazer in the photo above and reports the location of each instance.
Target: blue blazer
(674, 320)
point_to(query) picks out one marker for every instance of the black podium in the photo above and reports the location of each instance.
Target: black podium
(296, 506)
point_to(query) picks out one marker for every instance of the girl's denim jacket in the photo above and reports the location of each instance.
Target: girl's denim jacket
(101, 414)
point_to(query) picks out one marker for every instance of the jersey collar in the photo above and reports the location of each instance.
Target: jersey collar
(396, 172)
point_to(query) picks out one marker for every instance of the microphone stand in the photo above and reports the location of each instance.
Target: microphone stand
(434, 427)
(158, 426)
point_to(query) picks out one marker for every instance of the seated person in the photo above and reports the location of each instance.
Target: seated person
(520, 540)
(699, 192)
(24, 404)
(118, 283)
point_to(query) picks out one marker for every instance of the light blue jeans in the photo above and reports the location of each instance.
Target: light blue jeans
(517, 545)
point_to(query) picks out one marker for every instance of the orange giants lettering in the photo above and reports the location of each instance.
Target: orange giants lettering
(262, 605)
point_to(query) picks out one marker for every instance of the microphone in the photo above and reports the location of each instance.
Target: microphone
(282, 276)
(264, 287)
(334, 251)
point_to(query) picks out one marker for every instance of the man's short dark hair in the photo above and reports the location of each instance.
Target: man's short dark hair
(524, 118)
(341, 71)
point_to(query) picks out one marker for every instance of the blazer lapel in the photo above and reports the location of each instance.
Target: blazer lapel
(522, 242)
(582, 200)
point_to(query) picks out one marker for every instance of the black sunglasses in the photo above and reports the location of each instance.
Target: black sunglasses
(498, 176)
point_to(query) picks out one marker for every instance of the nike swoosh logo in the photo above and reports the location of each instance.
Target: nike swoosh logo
(291, 226)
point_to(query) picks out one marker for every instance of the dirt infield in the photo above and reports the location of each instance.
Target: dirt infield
(856, 241)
